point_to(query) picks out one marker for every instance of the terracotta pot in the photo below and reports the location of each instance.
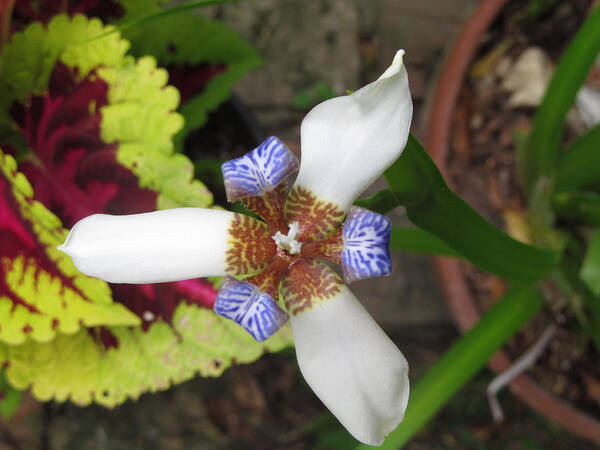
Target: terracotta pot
(452, 280)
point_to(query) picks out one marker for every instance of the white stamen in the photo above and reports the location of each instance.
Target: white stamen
(289, 242)
(148, 316)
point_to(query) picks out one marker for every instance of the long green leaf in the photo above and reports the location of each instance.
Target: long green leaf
(431, 205)
(463, 360)
(579, 166)
(382, 202)
(542, 150)
(581, 206)
(420, 241)
(412, 176)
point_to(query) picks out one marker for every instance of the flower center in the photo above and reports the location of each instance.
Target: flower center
(288, 242)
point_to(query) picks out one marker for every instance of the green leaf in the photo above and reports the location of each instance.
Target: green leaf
(432, 206)
(542, 152)
(420, 241)
(579, 166)
(382, 202)
(42, 291)
(146, 11)
(10, 398)
(413, 175)
(590, 270)
(583, 206)
(463, 360)
(77, 368)
(190, 40)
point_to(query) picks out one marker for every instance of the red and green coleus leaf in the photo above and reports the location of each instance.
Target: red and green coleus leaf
(41, 292)
(98, 139)
(28, 59)
(204, 58)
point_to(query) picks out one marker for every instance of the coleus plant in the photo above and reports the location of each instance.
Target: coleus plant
(86, 128)
(274, 265)
(203, 57)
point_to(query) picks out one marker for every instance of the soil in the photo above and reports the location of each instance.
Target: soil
(483, 170)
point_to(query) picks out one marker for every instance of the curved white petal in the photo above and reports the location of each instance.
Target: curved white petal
(352, 366)
(347, 142)
(169, 245)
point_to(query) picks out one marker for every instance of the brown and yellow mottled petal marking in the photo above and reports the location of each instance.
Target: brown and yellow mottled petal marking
(269, 207)
(329, 248)
(268, 279)
(316, 218)
(251, 247)
(308, 283)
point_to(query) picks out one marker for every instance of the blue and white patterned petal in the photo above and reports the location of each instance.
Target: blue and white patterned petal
(258, 171)
(366, 251)
(254, 310)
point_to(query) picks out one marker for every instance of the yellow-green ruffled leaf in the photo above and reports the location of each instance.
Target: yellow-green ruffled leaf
(140, 117)
(77, 368)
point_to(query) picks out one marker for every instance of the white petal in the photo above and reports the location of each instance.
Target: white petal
(169, 245)
(352, 366)
(347, 142)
